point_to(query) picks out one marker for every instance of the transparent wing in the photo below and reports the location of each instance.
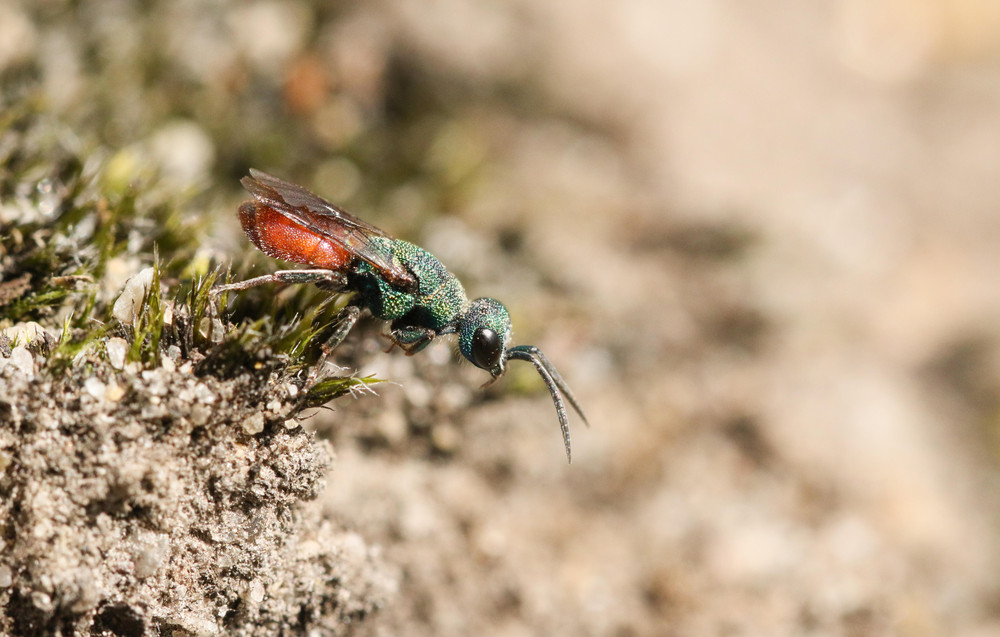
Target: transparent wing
(327, 220)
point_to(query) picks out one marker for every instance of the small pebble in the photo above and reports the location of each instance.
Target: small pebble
(25, 333)
(116, 347)
(254, 424)
(129, 303)
(199, 414)
(22, 360)
(94, 387)
(148, 558)
(156, 382)
(42, 601)
(114, 392)
(255, 592)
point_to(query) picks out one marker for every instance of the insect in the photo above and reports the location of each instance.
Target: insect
(394, 280)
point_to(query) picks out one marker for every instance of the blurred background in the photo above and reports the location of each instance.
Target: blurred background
(758, 239)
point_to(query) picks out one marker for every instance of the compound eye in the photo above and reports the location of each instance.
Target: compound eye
(486, 348)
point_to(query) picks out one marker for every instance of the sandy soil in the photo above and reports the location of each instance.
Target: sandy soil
(759, 241)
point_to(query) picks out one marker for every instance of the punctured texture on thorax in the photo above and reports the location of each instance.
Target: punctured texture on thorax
(439, 299)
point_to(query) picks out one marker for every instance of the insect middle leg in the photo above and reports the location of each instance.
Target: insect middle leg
(347, 319)
(327, 279)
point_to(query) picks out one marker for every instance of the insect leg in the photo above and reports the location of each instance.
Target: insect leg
(412, 339)
(326, 278)
(346, 320)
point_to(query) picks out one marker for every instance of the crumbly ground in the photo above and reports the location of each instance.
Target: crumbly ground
(146, 502)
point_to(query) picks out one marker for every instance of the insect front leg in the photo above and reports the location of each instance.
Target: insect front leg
(412, 339)
(327, 279)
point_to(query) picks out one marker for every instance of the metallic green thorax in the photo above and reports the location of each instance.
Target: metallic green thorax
(439, 300)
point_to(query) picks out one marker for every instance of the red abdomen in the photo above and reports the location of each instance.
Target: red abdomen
(279, 237)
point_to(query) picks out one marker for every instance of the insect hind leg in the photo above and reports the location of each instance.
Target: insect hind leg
(326, 279)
